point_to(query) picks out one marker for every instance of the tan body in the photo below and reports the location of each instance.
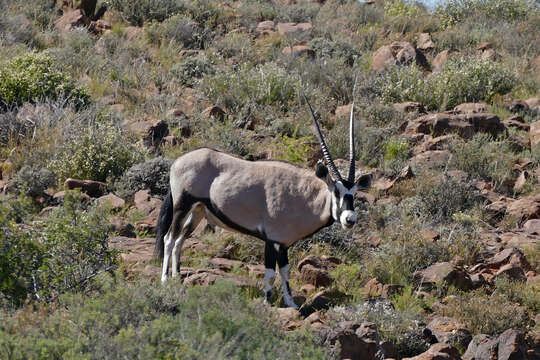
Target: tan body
(275, 199)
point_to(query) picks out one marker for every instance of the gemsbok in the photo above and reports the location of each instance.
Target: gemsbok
(277, 202)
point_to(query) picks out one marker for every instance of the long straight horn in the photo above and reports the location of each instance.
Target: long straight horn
(351, 138)
(325, 151)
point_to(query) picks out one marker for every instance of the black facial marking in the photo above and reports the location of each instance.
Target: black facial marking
(348, 202)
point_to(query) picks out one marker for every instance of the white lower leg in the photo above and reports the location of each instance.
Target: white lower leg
(269, 277)
(168, 247)
(176, 253)
(287, 297)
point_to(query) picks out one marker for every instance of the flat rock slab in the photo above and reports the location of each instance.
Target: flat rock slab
(138, 250)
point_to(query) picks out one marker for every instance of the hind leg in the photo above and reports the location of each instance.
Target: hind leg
(284, 267)
(190, 224)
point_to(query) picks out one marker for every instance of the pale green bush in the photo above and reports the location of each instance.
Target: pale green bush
(137, 12)
(34, 77)
(461, 80)
(152, 174)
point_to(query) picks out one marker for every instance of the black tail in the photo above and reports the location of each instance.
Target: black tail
(164, 223)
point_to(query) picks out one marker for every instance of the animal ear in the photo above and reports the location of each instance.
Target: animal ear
(322, 173)
(363, 182)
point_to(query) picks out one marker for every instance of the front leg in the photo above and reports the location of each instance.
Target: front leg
(270, 259)
(284, 268)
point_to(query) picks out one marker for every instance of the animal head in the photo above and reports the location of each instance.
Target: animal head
(342, 191)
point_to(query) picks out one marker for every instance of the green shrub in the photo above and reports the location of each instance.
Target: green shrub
(461, 80)
(20, 255)
(487, 314)
(486, 158)
(179, 29)
(520, 292)
(396, 154)
(137, 12)
(401, 328)
(266, 84)
(152, 174)
(33, 181)
(34, 77)
(99, 150)
(402, 8)
(334, 48)
(454, 11)
(151, 321)
(191, 70)
(75, 249)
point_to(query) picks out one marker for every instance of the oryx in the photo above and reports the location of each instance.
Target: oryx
(277, 202)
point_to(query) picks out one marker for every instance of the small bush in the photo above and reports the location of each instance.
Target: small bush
(401, 8)
(487, 314)
(98, 150)
(137, 12)
(454, 11)
(401, 328)
(267, 84)
(33, 181)
(486, 158)
(191, 70)
(520, 292)
(335, 49)
(34, 77)
(461, 80)
(181, 30)
(152, 174)
(396, 155)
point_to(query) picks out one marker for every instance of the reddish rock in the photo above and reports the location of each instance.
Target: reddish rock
(256, 270)
(111, 200)
(382, 58)
(374, 288)
(430, 160)
(512, 272)
(209, 277)
(72, 19)
(138, 250)
(465, 125)
(441, 59)
(534, 134)
(147, 204)
(225, 264)
(532, 226)
(89, 187)
(357, 341)
(439, 351)
(299, 50)
(510, 256)
(315, 276)
(410, 106)
(293, 28)
(424, 42)
(446, 273)
(265, 27)
(214, 112)
(467, 108)
(524, 208)
(122, 227)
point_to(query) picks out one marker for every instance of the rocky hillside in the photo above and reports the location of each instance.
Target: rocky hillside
(97, 98)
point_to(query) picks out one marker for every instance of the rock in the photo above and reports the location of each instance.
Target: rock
(512, 345)
(322, 301)
(512, 272)
(122, 227)
(521, 181)
(403, 51)
(424, 42)
(173, 113)
(382, 58)
(99, 27)
(307, 289)
(481, 347)
(533, 103)
(439, 351)
(532, 226)
(517, 106)
(225, 264)
(147, 225)
(441, 59)
(58, 198)
(256, 270)
(357, 341)
(293, 28)
(511, 256)
(446, 273)
(72, 19)
(516, 121)
(299, 50)
(450, 331)
(429, 160)
(534, 134)
(467, 108)
(89, 187)
(151, 131)
(265, 27)
(465, 125)
(374, 288)
(138, 250)
(437, 143)
(316, 276)
(410, 106)
(525, 208)
(214, 112)
(209, 277)
(111, 200)
(147, 204)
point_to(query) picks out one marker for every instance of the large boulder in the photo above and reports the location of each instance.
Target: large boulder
(424, 42)
(90, 187)
(525, 208)
(510, 345)
(449, 330)
(72, 19)
(399, 52)
(441, 59)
